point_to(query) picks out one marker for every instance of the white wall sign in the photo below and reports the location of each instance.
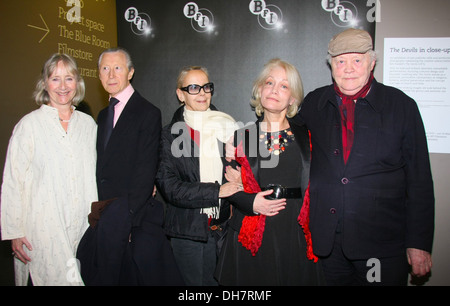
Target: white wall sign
(420, 67)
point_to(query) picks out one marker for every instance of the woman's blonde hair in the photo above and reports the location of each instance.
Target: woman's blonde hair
(41, 95)
(295, 84)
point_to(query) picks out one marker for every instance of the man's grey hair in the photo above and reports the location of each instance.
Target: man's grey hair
(130, 64)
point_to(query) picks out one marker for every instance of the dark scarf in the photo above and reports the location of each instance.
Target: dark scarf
(347, 110)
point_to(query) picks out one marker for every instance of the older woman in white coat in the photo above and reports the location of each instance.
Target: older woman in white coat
(49, 179)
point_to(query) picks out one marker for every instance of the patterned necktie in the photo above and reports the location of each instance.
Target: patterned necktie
(110, 119)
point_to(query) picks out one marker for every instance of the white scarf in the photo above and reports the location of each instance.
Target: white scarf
(212, 126)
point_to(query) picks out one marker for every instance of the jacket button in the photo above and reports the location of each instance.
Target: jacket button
(336, 152)
(345, 181)
(332, 211)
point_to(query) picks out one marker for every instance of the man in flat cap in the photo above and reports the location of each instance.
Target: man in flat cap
(371, 190)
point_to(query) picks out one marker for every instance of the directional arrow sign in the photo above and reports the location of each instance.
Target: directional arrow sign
(46, 29)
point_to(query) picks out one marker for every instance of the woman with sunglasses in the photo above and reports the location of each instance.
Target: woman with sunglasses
(190, 177)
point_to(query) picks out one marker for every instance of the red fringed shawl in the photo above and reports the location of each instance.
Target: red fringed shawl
(252, 229)
(303, 220)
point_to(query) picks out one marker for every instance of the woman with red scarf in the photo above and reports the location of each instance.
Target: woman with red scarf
(268, 240)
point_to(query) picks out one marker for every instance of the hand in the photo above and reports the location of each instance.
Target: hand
(233, 175)
(19, 252)
(154, 191)
(420, 261)
(230, 188)
(230, 150)
(270, 208)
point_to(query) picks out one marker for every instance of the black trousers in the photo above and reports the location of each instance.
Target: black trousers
(197, 260)
(341, 271)
(114, 253)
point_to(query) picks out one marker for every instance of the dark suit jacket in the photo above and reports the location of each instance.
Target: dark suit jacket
(127, 167)
(382, 199)
(126, 171)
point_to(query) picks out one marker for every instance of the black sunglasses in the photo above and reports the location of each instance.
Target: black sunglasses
(194, 89)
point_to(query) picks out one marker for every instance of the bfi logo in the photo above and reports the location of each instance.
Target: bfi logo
(202, 20)
(140, 22)
(269, 16)
(345, 13)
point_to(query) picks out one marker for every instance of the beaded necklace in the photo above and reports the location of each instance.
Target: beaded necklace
(66, 120)
(276, 142)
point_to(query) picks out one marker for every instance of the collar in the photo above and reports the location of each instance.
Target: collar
(374, 98)
(178, 115)
(125, 94)
(53, 111)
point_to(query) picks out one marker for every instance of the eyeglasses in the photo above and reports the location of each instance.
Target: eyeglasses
(194, 89)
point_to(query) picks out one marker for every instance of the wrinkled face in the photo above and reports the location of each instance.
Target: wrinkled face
(61, 86)
(114, 73)
(276, 92)
(197, 102)
(351, 71)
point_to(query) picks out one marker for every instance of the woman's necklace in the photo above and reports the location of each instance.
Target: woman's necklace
(276, 142)
(68, 120)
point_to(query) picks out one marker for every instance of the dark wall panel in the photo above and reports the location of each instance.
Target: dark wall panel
(234, 49)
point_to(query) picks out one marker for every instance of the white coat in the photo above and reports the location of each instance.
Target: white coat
(48, 186)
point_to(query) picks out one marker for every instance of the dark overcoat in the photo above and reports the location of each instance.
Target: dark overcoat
(382, 199)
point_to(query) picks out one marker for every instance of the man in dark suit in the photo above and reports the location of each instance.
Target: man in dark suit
(125, 244)
(372, 199)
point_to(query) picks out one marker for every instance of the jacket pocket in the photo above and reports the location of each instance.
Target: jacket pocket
(389, 149)
(391, 217)
(381, 217)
